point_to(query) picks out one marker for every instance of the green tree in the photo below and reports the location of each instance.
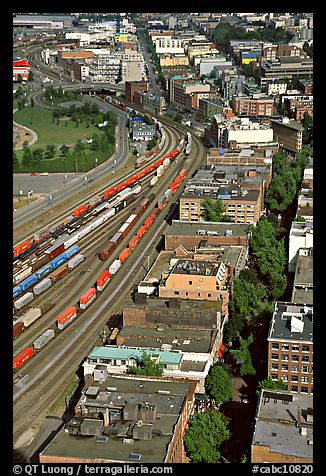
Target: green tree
(299, 218)
(15, 161)
(64, 149)
(147, 366)
(204, 436)
(213, 210)
(247, 298)
(50, 151)
(27, 157)
(32, 103)
(31, 76)
(38, 155)
(218, 384)
(233, 327)
(268, 383)
(243, 355)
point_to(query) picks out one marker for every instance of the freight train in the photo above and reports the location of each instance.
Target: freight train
(89, 296)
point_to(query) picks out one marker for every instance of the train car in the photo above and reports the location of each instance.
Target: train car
(28, 282)
(158, 163)
(103, 280)
(42, 286)
(124, 255)
(106, 251)
(17, 329)
(161, 202)
(71, 251)
(153, 181)
(121, 187)
(141, 174)
(31, 316)
(59, 260)
(183, 174)
(59, 273)
(66, 317)
(41, 341)
(115, 266)
(23, 357)
(20, 276)
(41, 261)
(19, 249)
(16, 292)
(87, 298)
(154, 213)
(131, 180)
(75, 261)
(23, 301)
(43, 271)
(80, 210)
(148, 222)
(73, 238)
(132, 219)
(133, 242)
(109, 192)
(55, 250)
(141, 231)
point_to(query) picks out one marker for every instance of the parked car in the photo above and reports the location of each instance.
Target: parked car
(34, 173)
(245, 398)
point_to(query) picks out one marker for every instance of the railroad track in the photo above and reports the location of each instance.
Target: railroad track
(49, 376)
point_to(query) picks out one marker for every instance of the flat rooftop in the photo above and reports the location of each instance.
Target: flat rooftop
(189, 304)
(186, 340)
(191, 228)
(168, 397)
(276, 424)
(304, 270)
(292, 322)
(201, 193)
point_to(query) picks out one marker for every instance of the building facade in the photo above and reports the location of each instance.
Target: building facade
(288, 133)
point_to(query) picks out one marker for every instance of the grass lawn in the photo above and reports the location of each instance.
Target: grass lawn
(40, 120)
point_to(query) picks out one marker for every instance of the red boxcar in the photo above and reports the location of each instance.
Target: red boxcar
(141, 231)
(109, 192)
(103, 280)
(158, 162)
(21, 247)
(66, 317)
(17, 329)
(124, 255)
(106, 251)
(183, 174)
(141, 174)
(131, 180)
(133, 242)
(87, 298)
(155, 212)
(80, 210)
(121, 187)
(148, 222)
(23, 357)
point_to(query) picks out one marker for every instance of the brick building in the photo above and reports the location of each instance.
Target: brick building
(288, 133)
(131, 87)
(251, 106)
(290, 347)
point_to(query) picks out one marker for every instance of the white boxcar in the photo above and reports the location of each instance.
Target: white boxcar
(42, 286)
(43, 339)
(22, 301)
(115, 266)
(75, 261)
(30, 316)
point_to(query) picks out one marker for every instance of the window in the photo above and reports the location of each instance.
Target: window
(198, 294)
(304, 368)
(305, 358)
(176, 293)
(285, 357)
(294, 378)
(294, 368)
(285, 347)
(190, 282)
(304, 389)
(295, 348)
(285, 367)
(209, 295)
(284, 378)
(295, 358)
(274, 366)
(294, 388)
(274, 377)
(305, 348)
(275, 345)
(275, 356)
(304, 379)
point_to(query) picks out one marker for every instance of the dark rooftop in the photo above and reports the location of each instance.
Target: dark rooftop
(292, 322)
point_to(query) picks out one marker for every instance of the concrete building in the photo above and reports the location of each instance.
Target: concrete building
(297, 107)
(132, 70)
(290, 346)
(283, 430)
(208, 107)
(43, 22)
(143, 132)
(285, 68)
(276, 87)
(168, 61)
(251, 156)
(239, 132)
(301, 236)
(303, 285)
(126, 420)
(21, 67)
(272, 52)
(288, 133)
(182, 89)
(232, 84)
(168, 45)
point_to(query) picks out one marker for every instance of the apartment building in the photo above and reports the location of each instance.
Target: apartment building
(168, 45)
(173, 60)
(240, 132)
(298, 106)
(253, 106)
(131, 87)
(208, 107)
(290, 346)
(181, 90)
(288, 133)
(285, 68)
(272, 52)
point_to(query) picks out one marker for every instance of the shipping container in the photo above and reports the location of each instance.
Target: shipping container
(21, 275)
(87, 298)
(17, 329)
(16, 291)
(97, 222)
(18, 249)
(42, 286)
(106, 251)
(59, 273)
(71, 251)
(153, 181)
(141, 231)
(71, 240)
(23, 357)
(66, 317)
(183, 174)
(43, 339)
(43, 271)
(59, 260)
(46, 307)
(80, 210)
(28, 282)
(124, 255)
(132, 219)
(116, 238)
(75, 261)
(83, 231)
(148, 222)
(133, 242)
(121, 187)
(55, 250)
(109, 192)
(120, 206)
(23, 301)
(30, 316)
(160, 171)
(115, 266)
(103, 280)
(39, 263)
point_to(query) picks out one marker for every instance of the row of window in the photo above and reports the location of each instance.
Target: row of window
(293, 347)
(177, 293)
(294, 358)
(294, 368)
(295, 378)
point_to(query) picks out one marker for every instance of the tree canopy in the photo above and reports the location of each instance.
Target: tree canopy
(272, 384)
(214, 210)
(218, 384)
(147, 366)
(204, 436)
(243, 355)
